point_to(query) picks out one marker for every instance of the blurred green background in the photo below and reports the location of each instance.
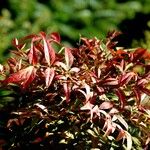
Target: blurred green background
(72, 18)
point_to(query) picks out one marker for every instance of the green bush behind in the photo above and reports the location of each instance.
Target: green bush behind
(71, 18)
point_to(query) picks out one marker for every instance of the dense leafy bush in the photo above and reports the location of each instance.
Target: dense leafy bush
(92, 96)
(88, 17)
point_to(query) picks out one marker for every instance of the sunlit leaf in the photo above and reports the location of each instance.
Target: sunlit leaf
(15, 42)
(87, 93)
(42, 107)
(61, 64)
(49, 76)
(145, 101)
(33, 58)
(95, 110)
(109, 127)
(69, 135)
(23, 77)
(49, 52)
(113, 111)
(1, 68)
(87, 106)
(122, 121)
(147, 141)
(129, 140)
(75, 69)
(91, 133)
(110, 81)
(68, 57)
(106, 105)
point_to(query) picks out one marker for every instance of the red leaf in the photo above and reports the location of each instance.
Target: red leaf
(120, 135)
(12, 62)
(120, 52)
(142, 82)
(23, 77)
(106, 105)
(108, 126)
(67, 91)
(137, 95)
(144, 90)
(37, 140)
(139, 53)
(49, 76)
(111, 81)
(48, 50)
(56, 37)
(68, 57)
(87, 106)
(121, 97)
(125, 79)
(100, 90)
(146, 55)
(88, 94)
(94, 110)
(33, 58)
(121, 66)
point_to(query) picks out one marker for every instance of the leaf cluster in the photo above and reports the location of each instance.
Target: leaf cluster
(92, 96)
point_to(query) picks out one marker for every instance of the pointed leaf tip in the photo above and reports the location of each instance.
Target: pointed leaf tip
(49, 52)
(68, 57)
(33, 58)
(56, 37)
(23, 77)
(122, 97)
(129, 140)
(67, 91)
(49, 76)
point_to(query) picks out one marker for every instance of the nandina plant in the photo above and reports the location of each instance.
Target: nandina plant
(92, 96)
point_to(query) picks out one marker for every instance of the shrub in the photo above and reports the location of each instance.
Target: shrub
(92, 96)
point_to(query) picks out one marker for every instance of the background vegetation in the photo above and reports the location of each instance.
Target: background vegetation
(71, 18)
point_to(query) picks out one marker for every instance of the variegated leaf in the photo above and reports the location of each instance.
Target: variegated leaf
(23, 77)
(49, 76)
(68, 58)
